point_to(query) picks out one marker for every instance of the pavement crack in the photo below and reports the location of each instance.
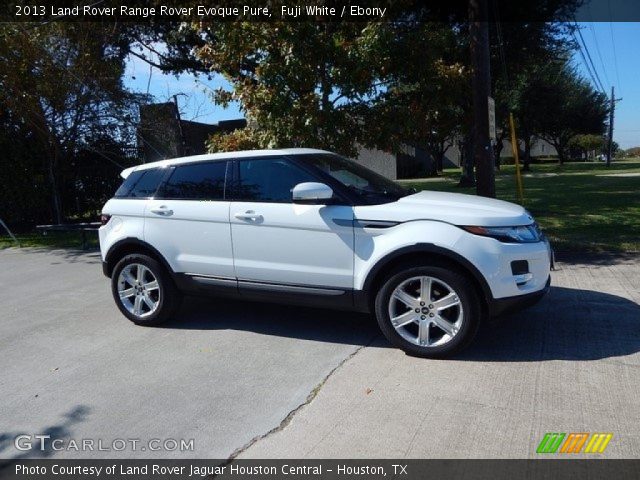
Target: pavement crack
(287, 419)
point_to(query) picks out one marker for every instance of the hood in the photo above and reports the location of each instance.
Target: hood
(454, 208)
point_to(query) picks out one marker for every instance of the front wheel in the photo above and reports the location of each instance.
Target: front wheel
(428, 311)
(143, 290)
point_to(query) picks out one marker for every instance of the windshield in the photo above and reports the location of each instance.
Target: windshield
(370, 185)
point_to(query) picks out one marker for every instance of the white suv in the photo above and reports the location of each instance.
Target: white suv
(309, 227)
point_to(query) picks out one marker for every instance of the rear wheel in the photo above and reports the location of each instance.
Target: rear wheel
(428, 311)
(143, 290)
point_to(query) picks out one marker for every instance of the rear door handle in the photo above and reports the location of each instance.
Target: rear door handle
(248, 215)
(162, 210)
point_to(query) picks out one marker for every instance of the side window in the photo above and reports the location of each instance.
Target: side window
(269, 180)
(128, 184)
(197, 181)
(141, 184)
(148, 183)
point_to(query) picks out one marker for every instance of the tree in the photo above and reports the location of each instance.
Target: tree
(631, 152)
(584, 145)
(301, 83)
(61, 82)
(426, 101)
(518, 50)
(558, 104)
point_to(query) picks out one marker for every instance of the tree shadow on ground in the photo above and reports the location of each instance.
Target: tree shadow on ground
(61, 430)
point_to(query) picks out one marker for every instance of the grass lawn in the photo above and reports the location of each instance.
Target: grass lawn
(580, 206)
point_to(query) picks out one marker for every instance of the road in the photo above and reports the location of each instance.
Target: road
(267, 381)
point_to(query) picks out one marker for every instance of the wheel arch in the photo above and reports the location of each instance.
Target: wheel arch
(425, 253)
(127, 246)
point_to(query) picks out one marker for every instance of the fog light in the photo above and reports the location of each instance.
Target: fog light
(519, 267)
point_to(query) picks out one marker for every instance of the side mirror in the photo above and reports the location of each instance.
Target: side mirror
(312, 193)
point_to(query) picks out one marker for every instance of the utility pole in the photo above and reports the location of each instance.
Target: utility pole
(481, 84)
(610, 143)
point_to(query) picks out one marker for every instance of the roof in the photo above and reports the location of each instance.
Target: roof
(220, 156)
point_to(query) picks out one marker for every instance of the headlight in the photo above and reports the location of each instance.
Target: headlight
(521, 234)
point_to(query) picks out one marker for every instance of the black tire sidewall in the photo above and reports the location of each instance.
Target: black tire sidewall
(468, 297)
(167, 290)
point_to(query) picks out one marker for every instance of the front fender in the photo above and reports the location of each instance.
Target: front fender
(376, 248)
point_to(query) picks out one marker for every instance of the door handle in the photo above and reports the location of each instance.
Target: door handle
(248, 215)
(162, 210)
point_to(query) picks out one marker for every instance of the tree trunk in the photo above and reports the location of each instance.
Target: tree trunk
(440, 162)
(526, 158)
(53, 181)
(444, 146)
(497, 149)
(468, 177)
(561, 153)
(50, 144)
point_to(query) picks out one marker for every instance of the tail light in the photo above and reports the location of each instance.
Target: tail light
(104, 219)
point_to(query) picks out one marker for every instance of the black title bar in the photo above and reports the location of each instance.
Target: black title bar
(451, 11)
(50, 469)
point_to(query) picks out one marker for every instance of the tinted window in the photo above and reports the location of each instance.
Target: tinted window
(270, 180)
(198, 181)
(128, 184)
(148, 183)
(141, 183)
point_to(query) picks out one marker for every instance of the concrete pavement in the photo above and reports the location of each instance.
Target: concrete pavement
(569, 364)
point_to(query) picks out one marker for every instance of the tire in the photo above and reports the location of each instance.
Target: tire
(156, 303)
(416, 331)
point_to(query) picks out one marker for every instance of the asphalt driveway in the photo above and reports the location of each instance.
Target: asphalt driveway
(73, 367)
(270, 381)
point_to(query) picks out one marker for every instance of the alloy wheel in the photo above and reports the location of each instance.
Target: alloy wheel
(426, 311)
(139, 290)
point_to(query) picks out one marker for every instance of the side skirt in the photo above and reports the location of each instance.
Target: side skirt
(303, 295)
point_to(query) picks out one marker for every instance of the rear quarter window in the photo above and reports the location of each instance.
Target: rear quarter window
(141, 184)
(198, 181)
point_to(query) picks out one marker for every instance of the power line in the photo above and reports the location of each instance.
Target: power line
(615, 57)
(597, 81)
(584, 61)
(595, 39)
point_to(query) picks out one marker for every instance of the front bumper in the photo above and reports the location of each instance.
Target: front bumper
(501, 306)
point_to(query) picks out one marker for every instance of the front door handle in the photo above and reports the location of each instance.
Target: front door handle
(162, 210)
(248, 215)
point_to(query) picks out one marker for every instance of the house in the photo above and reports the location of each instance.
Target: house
(163, 134)
(539, 148)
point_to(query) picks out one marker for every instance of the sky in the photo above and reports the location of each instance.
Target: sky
(194, 92)
(613, 47)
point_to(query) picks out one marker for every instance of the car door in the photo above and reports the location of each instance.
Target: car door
(188, 220)
(287, 247)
